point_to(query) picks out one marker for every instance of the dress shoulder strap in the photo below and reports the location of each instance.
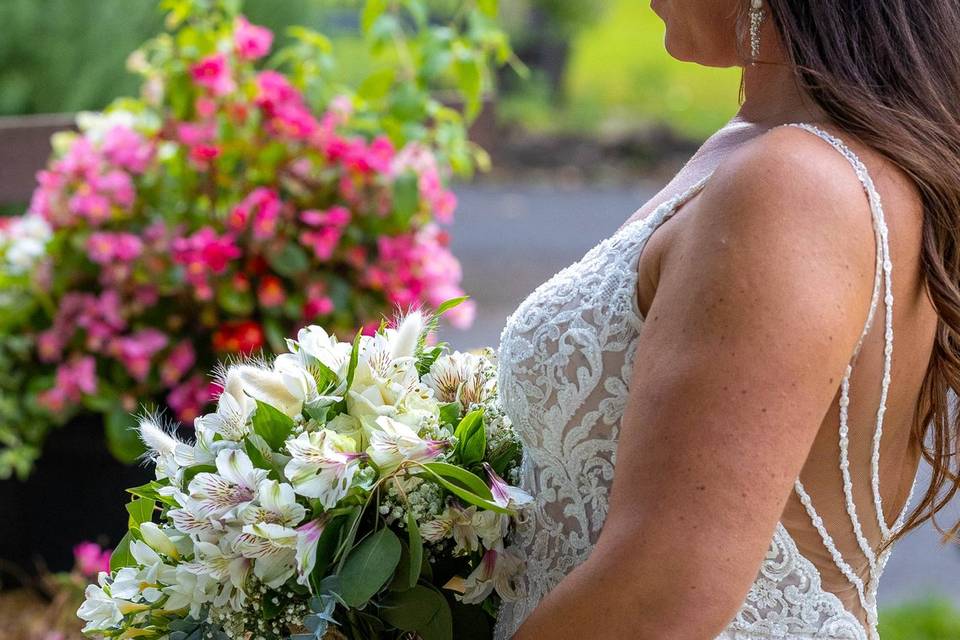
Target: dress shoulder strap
(883, 276)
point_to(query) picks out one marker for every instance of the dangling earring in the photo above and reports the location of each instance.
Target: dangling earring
(756, 20)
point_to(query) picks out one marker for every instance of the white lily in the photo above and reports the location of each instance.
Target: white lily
(394, 442)
(313, 343)
(224, 565)
(323, 465)
(496, 571)
(457, 523)
(491, 527)
(276, 504)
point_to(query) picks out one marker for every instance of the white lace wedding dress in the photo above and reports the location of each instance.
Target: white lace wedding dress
(566, 356)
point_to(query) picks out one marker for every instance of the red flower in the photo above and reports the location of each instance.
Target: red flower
(238, 336)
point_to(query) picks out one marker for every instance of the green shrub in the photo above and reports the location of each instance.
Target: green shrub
(934, 619)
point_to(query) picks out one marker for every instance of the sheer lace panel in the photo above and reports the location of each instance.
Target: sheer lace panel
(566, 356)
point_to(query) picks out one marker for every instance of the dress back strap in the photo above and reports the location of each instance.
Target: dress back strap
(883, 276)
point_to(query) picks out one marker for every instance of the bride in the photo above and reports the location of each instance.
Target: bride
(730, 348)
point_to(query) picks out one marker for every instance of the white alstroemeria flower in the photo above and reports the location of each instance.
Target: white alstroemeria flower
(308, 535)
(394, 442)
(232, 487)
(190, 518)
(505, 495)
(227, 567)
(491, 527)
(323, 465)
(163, 447)
(313, 343)
(457, 523)
(158, 540)
(191, 590)
(205, 449)
(496, 571)
(273, 550)
(102, 610)
(380, 380)
(450, 372)
(234, 408)
(285, 389)
(276, 504)
(149, 560)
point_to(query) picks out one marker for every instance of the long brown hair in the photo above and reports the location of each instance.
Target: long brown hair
(888, 72)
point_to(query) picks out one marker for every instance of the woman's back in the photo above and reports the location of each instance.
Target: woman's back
(568, 441)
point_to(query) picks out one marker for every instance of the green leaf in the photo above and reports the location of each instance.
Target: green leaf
(450, 304)
(123, 440)
(489, 8)
(272, 425)
(238, 303)
(369, 566)
(377, 85)
(327, 548)
(290, 261)
(121, 556)
(503, 455)
(406, 196)
(471, 438)
(150, 491)
(140, 510)
(420, 609)
(450, 413)
(416, 548)
(354, 357)
(440, 471)
(191, 472)
(372, 10)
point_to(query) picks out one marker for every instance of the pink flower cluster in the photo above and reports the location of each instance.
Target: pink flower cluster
(418, 267)
(93, 183)
(74, 378)
(260, 210)
(205, 254)
(90, 559)
(324, 229)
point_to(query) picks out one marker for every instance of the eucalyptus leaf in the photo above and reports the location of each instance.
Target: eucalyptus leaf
(369, 566)
(415, 544)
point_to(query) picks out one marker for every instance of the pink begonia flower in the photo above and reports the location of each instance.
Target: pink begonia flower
(271, 292)
(90, 559)
(322, 241)
(205, 250)
(318, 303)
(90, 205)
(213, 73)
(125, 148)
(117, 184)
(251, 41)
(105, 247)
(137, 350)
(263, 207)
(203, 154)
(73, 379)
(189, 399)
(205, 107)
(336, 216)
(80, 161)
(273, 90)
(178, 363)
(50, 345)
(196, 133)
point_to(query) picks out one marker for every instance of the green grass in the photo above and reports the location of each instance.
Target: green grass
(933, 619)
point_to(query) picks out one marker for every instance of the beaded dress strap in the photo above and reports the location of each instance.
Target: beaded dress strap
(867, 593)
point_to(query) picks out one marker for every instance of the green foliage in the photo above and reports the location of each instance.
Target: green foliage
(934, 619)
(369, 566)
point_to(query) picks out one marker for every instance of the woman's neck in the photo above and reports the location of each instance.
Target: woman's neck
(773, 97)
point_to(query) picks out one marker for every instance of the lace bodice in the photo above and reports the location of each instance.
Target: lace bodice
(566, 356)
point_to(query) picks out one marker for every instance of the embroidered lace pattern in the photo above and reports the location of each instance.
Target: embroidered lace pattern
(566, 355)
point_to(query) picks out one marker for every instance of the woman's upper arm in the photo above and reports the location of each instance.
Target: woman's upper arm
(759, 306)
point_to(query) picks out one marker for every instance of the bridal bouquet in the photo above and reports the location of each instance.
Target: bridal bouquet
(339, 490)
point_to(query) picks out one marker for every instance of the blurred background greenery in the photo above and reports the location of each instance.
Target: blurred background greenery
(595, 67)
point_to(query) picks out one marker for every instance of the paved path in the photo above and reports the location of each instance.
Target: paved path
(511, 238)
